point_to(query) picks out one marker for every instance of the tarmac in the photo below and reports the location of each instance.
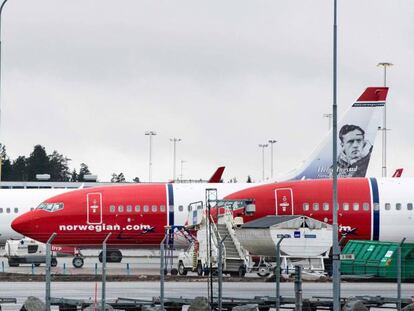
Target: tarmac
(137, 276)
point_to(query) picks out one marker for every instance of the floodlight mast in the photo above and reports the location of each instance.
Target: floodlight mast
(384, 123)
(336, 277)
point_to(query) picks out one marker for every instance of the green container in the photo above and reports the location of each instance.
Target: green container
(375, 258)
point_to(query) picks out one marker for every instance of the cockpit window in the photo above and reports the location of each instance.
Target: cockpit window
(51, 207)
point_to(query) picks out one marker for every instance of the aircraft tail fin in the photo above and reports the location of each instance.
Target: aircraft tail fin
(356, 135)
(216, 178)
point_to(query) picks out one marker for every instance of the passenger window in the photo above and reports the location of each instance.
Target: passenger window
(120, 208)
(345, 206)
(410, 206)
(1, 210)
(162, 208)
(112, 208)
(16, 210)
(387, 206)
(326, 206)
(306, 206)
(146, 208)
(129, 208)
(355, 206)
(316, 206)
(137, 208)
(8, 210)
(376, 206)
(398, 206)
(180, 208)
(154, 208)
(365, 206)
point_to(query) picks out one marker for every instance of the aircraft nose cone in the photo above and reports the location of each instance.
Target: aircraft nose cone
(21, 224)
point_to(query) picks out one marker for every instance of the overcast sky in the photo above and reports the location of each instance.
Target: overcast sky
(87, 78)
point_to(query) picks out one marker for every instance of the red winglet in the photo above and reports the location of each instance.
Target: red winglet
(398, 172)
(374, 94)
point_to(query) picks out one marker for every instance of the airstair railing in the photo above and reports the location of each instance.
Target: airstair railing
(229, 221)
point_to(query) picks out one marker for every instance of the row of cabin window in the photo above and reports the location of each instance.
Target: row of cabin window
(356, 206)
(137, 208)
(345, 206)
(8, 210)
(398, 206)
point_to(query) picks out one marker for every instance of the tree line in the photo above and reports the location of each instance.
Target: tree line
(55, 164)
(39, 162)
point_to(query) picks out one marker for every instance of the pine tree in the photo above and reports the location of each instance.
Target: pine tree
(118, 177)
(114, 177)
(121, 177)
(59, 169)
(74, 176)
(6, 167)
(84, 170)
(37, 163)
(19, 169)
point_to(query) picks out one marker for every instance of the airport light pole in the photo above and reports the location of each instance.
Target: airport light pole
(263, 170)
(271, 142)
(384, 123)
(329, 116)
(150, 134)
(336, 276)
(175, 141)
(1, 11)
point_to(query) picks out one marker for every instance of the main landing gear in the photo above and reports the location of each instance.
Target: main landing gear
(112, 255)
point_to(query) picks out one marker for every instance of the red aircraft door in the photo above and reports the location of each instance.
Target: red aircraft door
(284, 201)
(94, 208)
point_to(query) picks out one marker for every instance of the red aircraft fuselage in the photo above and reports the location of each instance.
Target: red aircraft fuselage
(137, 215)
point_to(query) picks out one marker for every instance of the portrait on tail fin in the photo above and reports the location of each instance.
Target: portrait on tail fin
(355, 153)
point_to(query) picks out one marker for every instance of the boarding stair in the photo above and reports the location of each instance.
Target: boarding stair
(232, 258)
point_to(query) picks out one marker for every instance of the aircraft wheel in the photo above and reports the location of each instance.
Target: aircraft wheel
(77, 262)
(242, 271)
(111, 256)
(181, 269)
(114, 256)
(199, 269)
(263, 271)
(53, 262)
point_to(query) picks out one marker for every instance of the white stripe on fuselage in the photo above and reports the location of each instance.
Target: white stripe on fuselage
(396, 224)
